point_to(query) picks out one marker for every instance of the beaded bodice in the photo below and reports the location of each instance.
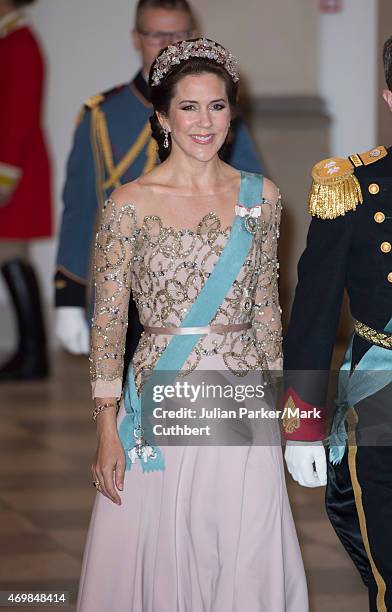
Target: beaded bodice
(165, 268)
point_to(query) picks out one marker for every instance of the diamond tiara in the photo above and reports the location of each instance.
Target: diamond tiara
(184, 50)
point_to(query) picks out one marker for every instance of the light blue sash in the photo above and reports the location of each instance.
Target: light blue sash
(201, 313)
(356, 386)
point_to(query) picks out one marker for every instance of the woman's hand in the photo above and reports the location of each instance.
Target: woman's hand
(109, 461)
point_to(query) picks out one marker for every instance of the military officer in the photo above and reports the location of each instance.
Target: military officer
(25, 186)
(348, 247)
(113, 145)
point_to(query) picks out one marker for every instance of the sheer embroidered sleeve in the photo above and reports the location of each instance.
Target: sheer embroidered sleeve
(267, 311)
(114, 247)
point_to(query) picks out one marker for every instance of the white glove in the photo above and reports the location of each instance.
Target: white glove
(72, 330)
(306, 462)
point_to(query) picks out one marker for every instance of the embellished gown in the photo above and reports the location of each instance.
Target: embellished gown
(213, 531)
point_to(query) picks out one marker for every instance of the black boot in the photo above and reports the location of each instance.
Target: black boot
(30, 361)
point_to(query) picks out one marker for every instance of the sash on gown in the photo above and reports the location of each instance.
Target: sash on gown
(179, 347)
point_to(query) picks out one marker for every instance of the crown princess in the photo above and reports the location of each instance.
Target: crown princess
(181, 51)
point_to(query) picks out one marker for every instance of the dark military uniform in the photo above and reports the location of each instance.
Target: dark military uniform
(112, 146)
(349, 248)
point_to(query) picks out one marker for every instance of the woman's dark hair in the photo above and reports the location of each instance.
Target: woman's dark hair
(19, 3)
(387, 57)
(162, 94)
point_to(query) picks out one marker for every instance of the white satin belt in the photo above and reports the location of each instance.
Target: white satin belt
(207, 329)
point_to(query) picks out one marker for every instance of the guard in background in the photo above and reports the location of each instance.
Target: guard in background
(112, 146)
(348, 247)
(25, 191)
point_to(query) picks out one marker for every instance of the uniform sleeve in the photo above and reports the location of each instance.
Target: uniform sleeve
(78, 220)
(267, 311)
(20, 116)
(242, 152)
(114, 248)
(68, 291)
(313, 324)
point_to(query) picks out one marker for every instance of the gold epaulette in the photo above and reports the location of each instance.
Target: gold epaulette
(91, 103)
(335, 189)
(94, 101)
(14, 24)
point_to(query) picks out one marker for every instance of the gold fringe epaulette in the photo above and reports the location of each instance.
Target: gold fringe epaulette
(335, 189)
(94, 101)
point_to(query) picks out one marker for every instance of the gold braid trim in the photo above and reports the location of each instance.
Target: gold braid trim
(129, 158)
(94, 101)
(16, 22)
(106, 147)
(335, 189)
(290, 423)
(102, 144)
(352, 420)
(152, 154)
(372, 335)
(100, 194)
(99, 165)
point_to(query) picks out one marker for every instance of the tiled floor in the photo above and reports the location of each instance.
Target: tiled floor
(47, 440)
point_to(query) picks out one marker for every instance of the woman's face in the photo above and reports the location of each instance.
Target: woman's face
(199, 116)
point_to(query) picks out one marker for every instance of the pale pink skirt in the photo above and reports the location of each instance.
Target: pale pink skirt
(213, 532)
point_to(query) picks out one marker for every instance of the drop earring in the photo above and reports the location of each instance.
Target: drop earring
(166, 141)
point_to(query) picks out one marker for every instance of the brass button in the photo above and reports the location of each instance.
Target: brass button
(389, 277)
(379, 217)
(385, 247)
(60, 284)
(374, 188)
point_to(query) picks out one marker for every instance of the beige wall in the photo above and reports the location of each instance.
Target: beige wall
(275, 41)
(348, 75)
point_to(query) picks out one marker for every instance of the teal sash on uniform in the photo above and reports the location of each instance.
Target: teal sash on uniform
(356, 386)
(201, 313)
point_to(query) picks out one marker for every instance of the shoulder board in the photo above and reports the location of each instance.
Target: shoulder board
(94, 101)
(335, 189)
(19, 21)
(369, 157)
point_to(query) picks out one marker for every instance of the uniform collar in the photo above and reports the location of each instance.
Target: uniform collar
(12, 21)
(140, 88)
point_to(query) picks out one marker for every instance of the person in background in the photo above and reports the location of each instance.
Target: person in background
(113, 145)
(25, 189)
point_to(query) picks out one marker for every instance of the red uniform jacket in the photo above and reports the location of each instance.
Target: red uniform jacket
(24, 163)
